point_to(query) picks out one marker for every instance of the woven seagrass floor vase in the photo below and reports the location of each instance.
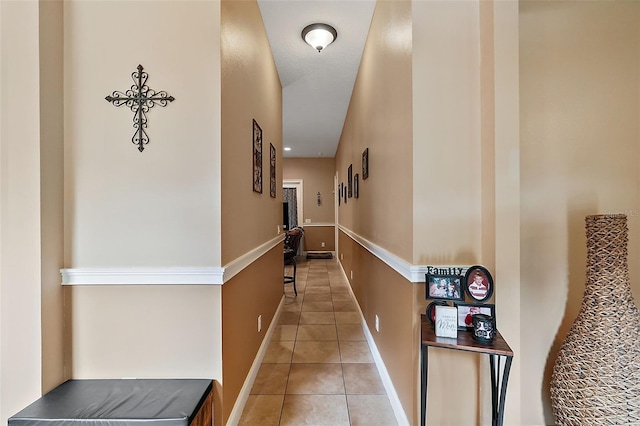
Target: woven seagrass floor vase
(596, 377)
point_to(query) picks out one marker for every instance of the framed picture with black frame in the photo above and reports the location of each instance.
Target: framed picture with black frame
(365, 164)
(272, 170)
(356, 186)
(478, 283)
(444, 287)
(467, 310)
(257, 157)
(350, 181)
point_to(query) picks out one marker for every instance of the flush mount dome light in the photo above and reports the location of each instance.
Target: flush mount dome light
(319, 36)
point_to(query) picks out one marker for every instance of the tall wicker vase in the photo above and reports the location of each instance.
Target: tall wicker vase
(596, 377)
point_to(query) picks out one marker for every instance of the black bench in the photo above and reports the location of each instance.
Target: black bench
(169, 402)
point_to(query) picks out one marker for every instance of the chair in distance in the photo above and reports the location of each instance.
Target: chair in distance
(291, 245)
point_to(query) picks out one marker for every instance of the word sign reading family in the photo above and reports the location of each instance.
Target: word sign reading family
(448, 270)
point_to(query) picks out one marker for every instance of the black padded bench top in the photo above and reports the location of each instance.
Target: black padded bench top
(106, 402)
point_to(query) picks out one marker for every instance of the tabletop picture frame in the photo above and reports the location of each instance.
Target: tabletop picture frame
(444, 287)
(468, 310)
(478, 283)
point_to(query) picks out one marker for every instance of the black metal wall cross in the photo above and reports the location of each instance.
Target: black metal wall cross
(140, 99)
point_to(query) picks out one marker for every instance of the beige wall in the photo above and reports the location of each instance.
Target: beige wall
(52, 197)
(146, 331)
(580, 147)
(316, 236)
(383, 292)
(21, 365)
(379, 118)
(241, 338)
(448, 177)
(159, 207)
(317, 175)
(250, 90)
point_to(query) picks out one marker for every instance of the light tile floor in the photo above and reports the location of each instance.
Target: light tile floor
(318, 369)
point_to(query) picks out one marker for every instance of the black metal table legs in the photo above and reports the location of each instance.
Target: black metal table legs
(498, 385)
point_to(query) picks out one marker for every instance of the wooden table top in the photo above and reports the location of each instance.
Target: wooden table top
(464, 342)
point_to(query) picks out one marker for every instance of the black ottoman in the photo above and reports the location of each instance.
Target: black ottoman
(167, 402)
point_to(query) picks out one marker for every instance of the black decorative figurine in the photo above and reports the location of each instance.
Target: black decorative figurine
(484, 328)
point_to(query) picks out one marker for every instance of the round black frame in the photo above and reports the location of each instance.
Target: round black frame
(431, 309)
(487, 274)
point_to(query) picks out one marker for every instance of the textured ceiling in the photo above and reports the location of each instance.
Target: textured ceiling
(316, 87)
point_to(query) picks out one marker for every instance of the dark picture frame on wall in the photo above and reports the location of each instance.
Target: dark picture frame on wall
(350, 181)
(478, 283)
(344, 193)
(272, 170)
(257, 157)
(444, 287)
(365, 163)
(356, 184)
(339, 193)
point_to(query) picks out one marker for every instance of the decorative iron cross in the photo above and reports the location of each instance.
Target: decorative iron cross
(140, 99)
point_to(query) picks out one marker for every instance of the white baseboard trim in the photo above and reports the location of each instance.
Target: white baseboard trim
(245, 391)
(401, 416)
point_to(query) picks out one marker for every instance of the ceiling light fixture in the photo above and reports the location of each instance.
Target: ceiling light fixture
(287, 148)
(319, 36)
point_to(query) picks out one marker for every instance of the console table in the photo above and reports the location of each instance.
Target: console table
(166, 402)
(497, 351)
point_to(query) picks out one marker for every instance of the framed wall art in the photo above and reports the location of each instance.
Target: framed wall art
(356, 184)
(467, 310)
(365, 164)
(257, 157)
(350, 181)
(444, 287)
(272, 170)
(478, 283)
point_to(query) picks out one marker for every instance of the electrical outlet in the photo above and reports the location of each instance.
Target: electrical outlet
(351, 274)
(341, 256)
(278, 229)
(322, 244)
(377, 323)
(259, 323)
(307, 221)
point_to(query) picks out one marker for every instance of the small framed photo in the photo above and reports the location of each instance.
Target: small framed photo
(478, 283)
(444, 287)
(350, 181)
(430, 312)
(467, 310)
(365, 164)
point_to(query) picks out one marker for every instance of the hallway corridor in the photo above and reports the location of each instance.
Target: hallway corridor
(318, 368)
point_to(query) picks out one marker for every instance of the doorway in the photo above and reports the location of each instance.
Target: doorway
(292, 199)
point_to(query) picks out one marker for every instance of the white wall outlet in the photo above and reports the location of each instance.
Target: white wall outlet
(351, 274)
(322, 244)
(259, 323)
(278, 229)
(307, 221)
(341, 256)
(377, 323)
